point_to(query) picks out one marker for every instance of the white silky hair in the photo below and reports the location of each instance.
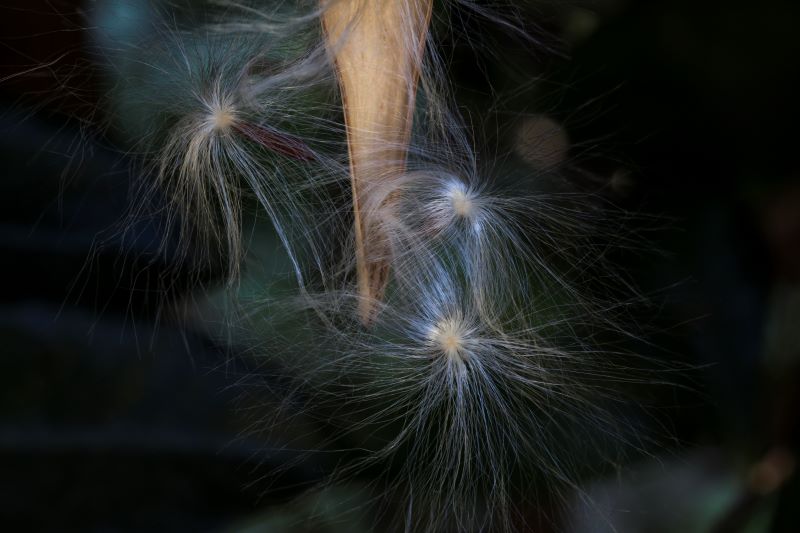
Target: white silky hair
(472, 406)
(223, 128)
(479, 365)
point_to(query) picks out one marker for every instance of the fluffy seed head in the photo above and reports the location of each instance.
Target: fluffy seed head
(221, 117)
(461, 200)
(452, 338)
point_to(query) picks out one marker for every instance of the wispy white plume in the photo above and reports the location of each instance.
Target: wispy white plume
(478, 377)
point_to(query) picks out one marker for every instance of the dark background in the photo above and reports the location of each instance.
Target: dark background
(114, 417)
